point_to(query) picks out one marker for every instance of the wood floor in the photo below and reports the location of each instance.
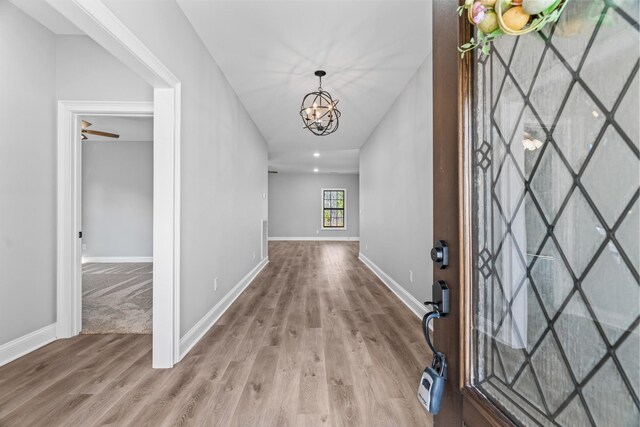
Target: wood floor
(316, 340)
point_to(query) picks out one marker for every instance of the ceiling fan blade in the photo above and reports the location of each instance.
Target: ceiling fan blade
(85, 124)
(84, 137)
(100, 133)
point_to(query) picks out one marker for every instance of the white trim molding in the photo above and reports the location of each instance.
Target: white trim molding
(198, 331)
(27, 343)
(69, 203)
(97, 21)
(116, 259)
(314, 239)
(166, 216)
(409, 300)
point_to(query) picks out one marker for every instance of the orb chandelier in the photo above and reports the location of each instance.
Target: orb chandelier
(318, 111)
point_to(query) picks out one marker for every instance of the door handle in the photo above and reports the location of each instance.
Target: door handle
(440, 254)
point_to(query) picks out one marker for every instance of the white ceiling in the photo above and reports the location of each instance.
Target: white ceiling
(47, 16)
(130, 129)
(268, 51)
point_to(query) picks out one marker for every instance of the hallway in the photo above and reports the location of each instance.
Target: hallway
(316, 339)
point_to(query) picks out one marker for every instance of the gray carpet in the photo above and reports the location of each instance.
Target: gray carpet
(116, 298)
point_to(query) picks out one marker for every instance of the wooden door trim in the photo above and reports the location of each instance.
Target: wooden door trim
(453, 82)
(474, 401)
(465, 176)
(446, 194)
(484, 408)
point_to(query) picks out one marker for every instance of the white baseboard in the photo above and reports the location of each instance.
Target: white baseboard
(313, 239)
(196, 333)
(117, 259)
(418, 308)
(27, 343)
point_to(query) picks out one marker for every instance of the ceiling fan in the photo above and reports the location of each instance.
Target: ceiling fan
(85, 130)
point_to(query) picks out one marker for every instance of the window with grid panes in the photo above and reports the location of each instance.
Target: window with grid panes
(334, 208)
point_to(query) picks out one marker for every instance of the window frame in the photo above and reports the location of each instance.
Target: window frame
(344, 209)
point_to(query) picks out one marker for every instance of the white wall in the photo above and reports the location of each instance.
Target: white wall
(396, 189)
(37, 69)
(85, 71)
(295, 205)
(27, 174)
(117, 198)
(224, 161)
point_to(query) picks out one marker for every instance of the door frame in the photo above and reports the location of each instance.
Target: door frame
(69, 220)
(98, 22)
(453, 80)
(69, 194)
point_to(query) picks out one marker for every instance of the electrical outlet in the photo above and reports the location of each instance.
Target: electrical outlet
(264, 195)
(366, 247)
(215, 284)
(410, 276)
(254, 254)
(84, 246)
(317, 231)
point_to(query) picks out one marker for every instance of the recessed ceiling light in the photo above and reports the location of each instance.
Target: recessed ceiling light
(316, 154)
(315, 169)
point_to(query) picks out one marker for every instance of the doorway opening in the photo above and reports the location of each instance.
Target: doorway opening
(117, 224)
(165, 218)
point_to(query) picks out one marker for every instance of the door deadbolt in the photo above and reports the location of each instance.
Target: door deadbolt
(440, 254)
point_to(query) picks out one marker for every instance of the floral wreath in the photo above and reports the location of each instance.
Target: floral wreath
(494, 18)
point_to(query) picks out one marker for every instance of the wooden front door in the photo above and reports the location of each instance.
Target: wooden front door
(536, 187)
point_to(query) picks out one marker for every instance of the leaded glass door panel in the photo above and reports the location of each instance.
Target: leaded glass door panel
(556, 225)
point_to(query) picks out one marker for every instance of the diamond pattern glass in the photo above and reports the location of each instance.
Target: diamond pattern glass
(525, 60)
(578, 127)
(499, 150)
(574, 30)
(608, 399)
(510, 188)
(599, 177)
(613, 292)
(536, 322)
(511, 359)
(503, 47)
(535, 229)
(615, 41)
(627, 235)
(625, 112)
(631, 7)
(574, 415)
(551, 278)
(575, 321)
(549, 88)
(508, 110)
(579, 232)
(533, 136)
(526, 386)
(551, 183)
(628, 356)
(557, 220)
(549, 365)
